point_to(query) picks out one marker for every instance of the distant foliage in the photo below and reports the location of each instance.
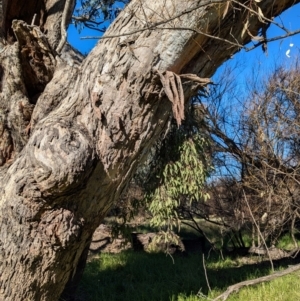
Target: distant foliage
(97, 14)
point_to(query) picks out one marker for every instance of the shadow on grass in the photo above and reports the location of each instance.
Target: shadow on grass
(140, 276)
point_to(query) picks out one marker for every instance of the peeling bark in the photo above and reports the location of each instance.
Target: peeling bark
(71, 142)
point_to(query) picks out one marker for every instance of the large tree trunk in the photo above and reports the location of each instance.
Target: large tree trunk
(72, 135)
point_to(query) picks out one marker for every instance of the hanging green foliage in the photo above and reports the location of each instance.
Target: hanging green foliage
(173, 175)
(180, 178)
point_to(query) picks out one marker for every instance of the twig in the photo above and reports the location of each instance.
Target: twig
(292, 33)
(263, 17)
(154, 25)
(205, 272)
(196, 30)
(240, 46)
(144, 13)
(202, 296)
(33, 20)
(259, 232)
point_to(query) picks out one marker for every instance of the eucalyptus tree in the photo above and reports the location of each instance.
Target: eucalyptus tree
(73, 131)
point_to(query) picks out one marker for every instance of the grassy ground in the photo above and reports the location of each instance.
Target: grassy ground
(142, 276)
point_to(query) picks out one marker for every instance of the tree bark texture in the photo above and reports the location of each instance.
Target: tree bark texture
(72, 134)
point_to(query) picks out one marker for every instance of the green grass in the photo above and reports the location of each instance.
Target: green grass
(139, 276)
(285, 242)
(282, 289)
(142, 276)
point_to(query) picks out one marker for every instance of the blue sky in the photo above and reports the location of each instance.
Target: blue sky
(74, 38)
(255, 63)
(283, 50)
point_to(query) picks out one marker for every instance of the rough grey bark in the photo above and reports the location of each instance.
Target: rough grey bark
(72, 135)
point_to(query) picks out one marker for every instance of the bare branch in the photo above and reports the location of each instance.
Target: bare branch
(205, 272)
(69, 6)
(290, 34)
(236, 287)
(258, 230)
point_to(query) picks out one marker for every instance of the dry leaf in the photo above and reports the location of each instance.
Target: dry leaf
(245, 28)
(226, 9)
(260, 15)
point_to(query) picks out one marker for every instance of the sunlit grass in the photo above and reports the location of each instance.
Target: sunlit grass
(142, 276)
(285, 242)
(150, 276)
(286, 288)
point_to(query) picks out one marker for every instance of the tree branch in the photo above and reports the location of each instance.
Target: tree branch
(69, 6)
(236, 287)
(153, 26)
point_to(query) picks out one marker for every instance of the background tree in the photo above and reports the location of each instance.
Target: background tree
(257, 156)
(95, 14)
(73, 132)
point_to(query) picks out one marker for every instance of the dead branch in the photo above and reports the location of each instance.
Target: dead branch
(280, 37)
(69, 6)
(236, 287)
(205, 272)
